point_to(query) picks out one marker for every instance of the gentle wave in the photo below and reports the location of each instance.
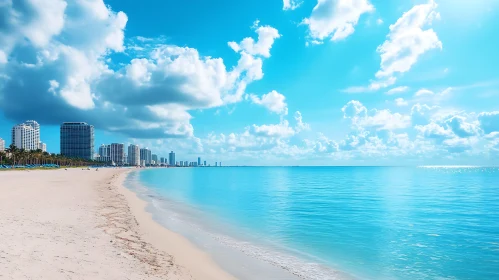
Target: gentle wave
(287, 262)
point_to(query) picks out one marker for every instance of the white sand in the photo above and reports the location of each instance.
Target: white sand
(79, 224)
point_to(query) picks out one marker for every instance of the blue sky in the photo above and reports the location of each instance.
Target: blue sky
(313, 82)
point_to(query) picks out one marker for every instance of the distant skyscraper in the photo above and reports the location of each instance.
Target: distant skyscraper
(155, 159)
(162, 160)
(26, 135)
(105, 153)
(171, 158)
(133, 155)
(216, 163)
(77, 140)
(118, 153)
(199, 161)
(204, 163)
(2, 145)
(146, 155)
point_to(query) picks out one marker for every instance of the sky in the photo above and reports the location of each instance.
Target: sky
(261, 82)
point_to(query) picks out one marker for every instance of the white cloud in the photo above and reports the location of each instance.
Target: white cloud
(273, 101)
(432, 97)
(376, 119)
(397, 90)
(354, 109)
(423, 91)
(408, 40)
(281, 130)
(386, 120)
(266, 38)
(435, 131)
(61, 50)
(401, 102)
(323, 145)
(291, 4)
(335, 19)
(379, 21)
(489, 121)
(300, 125)
(462, 128)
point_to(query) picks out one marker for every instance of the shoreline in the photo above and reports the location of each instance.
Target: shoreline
(83, 224)
(239, 253)
(187, 255)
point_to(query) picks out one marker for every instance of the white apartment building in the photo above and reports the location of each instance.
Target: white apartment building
(42, 146)
(133, 155)
(2, 145)
(118, 153)
(26, 135)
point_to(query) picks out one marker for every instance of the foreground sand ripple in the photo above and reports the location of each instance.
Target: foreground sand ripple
(83, 224)
(120, 223)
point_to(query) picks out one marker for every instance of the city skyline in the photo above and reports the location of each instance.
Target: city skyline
(301, 85)
(77, 141)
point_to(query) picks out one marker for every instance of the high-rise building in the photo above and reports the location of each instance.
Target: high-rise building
(216, 163)
(105, 153)
(146, 156)
(26, 135)
(118, 153)
(42, 146)
(171, 158)
(133, 155)
(162, 160)
(199, 161)
(204, 163)
(154, 159)
(77, 140)
(2, 145)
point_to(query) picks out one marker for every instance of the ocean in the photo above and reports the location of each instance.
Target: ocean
(333, 222)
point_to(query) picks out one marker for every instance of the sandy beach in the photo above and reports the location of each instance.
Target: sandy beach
(80, 224)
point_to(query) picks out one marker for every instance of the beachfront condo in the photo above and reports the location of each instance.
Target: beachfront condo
(77, 140)
(118, 153)
(2, 145)
(105, 153)
(171, 158)
(146, 156)
(26, 135)
(133, 155)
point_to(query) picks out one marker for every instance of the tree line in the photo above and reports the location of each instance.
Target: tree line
(15, 157)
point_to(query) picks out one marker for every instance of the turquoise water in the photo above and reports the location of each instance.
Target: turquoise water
(369, 222)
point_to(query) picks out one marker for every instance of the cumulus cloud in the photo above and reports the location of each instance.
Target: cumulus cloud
(300, 125)
(291, 4)
(354, 109)
(435, 131)
(422, 113)
(63, 51)
(489, 121)
(461, 127)
(335, 19)
(375, 119)
(261, 47)
(273, 101)
(281, 130)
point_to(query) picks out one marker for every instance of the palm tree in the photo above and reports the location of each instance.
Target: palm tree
(12, 151)
(2, 156)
